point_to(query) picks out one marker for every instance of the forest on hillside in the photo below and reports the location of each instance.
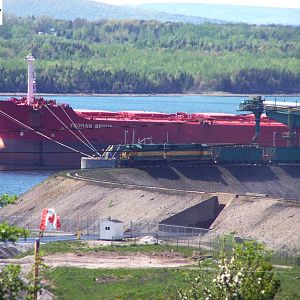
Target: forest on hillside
(104, 56)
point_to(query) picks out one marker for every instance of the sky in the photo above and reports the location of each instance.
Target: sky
(266, 3)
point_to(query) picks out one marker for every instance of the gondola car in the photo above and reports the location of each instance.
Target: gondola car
(238, 154)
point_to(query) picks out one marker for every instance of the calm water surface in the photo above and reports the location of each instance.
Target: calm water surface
(166, 104)
(19, 182)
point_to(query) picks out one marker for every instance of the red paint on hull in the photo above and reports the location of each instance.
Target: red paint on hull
(22, 146)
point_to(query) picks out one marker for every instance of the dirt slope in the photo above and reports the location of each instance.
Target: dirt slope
(78, 199)
(270, 220)
(264, 218)
(276, 181)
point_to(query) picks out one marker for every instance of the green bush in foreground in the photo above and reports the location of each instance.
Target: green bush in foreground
(6, 199)
(246, 274)
(11, 233)
(11, 284)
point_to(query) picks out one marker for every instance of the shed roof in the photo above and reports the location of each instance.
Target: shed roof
(113, 221)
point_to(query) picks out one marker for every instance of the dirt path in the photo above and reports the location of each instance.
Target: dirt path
(106, 260)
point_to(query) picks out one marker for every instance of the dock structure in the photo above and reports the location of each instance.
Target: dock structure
(287, 113)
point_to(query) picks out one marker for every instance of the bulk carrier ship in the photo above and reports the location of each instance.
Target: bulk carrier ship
(40, 134)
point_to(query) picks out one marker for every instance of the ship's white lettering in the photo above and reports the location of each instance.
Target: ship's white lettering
(90, 126)
(103, 126)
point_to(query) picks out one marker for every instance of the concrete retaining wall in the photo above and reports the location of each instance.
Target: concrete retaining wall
(97, 163)
(200, 215)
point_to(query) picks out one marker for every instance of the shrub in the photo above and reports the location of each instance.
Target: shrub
(246, 273)
(11, 233)
(6, 199)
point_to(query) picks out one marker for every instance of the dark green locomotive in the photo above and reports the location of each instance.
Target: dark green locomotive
(135, 154)
(169, 154)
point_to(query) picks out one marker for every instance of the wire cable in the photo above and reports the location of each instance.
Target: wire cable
(41, 134)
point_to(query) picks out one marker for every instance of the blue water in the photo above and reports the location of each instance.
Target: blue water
(19, 182)
(166, 104)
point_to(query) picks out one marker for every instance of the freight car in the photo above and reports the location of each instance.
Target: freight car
(284, 155)
(238, 154)
(174, 154)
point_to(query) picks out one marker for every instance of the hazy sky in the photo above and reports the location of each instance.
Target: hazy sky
(267, 3)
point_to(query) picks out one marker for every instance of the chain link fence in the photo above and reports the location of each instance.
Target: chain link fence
(180, 236)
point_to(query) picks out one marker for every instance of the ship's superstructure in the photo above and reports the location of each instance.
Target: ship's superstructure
(287, 113)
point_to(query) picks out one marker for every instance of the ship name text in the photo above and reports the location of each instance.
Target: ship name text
(89, 126)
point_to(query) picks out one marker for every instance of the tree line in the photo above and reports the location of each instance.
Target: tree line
(149, 56)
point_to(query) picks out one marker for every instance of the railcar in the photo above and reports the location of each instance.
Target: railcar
(174, 154)
(285, 155)
(238, 154)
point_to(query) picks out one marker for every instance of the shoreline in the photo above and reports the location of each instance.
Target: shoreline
(212, 94)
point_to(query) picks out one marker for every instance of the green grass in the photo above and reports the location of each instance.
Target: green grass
(58, 247)
(78, 246)
(75, 283)
(290, 283)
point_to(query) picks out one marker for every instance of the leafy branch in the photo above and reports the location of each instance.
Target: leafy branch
(6, 199)
(11, 233)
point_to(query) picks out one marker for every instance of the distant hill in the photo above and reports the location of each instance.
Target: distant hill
(230, 13)
(92, 10)
(145, 57)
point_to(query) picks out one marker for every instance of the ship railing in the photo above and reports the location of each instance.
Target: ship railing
(248, 106)
(282, 108)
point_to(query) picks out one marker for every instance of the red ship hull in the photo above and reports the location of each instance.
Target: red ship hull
(36, 136)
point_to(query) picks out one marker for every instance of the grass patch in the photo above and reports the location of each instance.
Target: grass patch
(290, 283)
(78, 246)
(75, 283)
(183, 250)
(59, 247)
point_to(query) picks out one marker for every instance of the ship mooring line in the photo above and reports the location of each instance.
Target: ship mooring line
(68, 128)
(91, 145)
(41, 134)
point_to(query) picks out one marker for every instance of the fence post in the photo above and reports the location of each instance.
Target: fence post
(192, 235)
(98, 228)
(87, 226)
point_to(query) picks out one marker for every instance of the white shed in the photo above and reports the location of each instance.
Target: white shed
(111, 230)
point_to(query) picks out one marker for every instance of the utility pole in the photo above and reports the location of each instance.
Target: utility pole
(36, 267)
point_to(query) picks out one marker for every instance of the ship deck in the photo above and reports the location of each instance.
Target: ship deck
(208, 118)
